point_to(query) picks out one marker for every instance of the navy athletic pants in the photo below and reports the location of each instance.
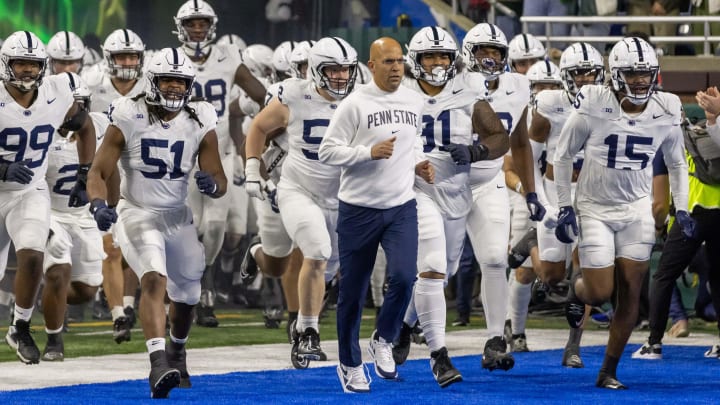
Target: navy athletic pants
(360, 230)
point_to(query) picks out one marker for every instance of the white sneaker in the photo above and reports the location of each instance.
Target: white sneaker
(353, 379)
(11, 337)
(648, 352)
(381, 352)
(713, 352)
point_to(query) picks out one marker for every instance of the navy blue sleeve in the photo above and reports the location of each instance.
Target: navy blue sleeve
(659, 167)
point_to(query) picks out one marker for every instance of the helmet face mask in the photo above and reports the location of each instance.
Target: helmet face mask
(166, 67)
(196, 23)
(634, 70)
(485, 50)
(432, 54)
(331, 53)
(581, 64)
(121, 50)
(65, 53)
(23, 60)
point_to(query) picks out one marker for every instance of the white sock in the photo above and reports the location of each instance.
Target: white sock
(155, 344)
(129, 301)
(177, 340)
(53, 332)
(518, 305)
(23, 313)
(117, 311)
(306, 321)
(493, 291)
(431, 311)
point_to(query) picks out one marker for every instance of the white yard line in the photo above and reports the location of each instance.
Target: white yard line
(221, 360)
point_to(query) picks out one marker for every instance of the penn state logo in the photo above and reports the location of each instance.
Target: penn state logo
(333, 106)
(165, 125)
(631, 123)
(27, 113)
(432, 101)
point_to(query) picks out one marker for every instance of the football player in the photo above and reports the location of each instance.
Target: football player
(450, 121)
(65, 53)
(74, 255)
(217, 68)
(485, 51)
(156, 138)
(620, 126)
(308, 188)
(35, 107)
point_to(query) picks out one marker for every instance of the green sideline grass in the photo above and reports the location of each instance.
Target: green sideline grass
(237, 327)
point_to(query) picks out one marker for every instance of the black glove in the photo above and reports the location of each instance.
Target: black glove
(17, 172)
(78, 194)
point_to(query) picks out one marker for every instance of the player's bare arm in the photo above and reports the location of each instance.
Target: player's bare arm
(105, 163)
(250, 84)
(490, 129)
(522, 154)
(540, 128)
(209, 162)
(273, 118)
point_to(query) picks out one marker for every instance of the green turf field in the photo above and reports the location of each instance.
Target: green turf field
(240, 327)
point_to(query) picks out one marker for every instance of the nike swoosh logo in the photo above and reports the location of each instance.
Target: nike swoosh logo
(457, 91)
(222, 59)
(101, 137)
(509, 92)
(396, 131)
(657, 116)
(51, 101)
(499, 186)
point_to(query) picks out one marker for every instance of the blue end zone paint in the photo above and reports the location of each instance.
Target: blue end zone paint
(683, 376)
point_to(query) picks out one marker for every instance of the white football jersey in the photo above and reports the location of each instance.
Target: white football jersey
(310, 115)
(447, 119)
(63, 164)
(214, 79)
(619, 148)
(27, 133)
(277, 149)
(158, 157)
(102, 89)
(555, 106)
(508, 101)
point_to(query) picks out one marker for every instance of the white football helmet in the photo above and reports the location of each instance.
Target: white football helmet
(168, 62)
(580, 58)
(281, 58)
(232, 39)
(299, 57)
(122, 41)
(333, 51)
(544, 71)
(65, 46)
(258, 58)
(525, 46)
(22, 45)
(192, 9)
(633, 55)
(431, 40)
(485, 35)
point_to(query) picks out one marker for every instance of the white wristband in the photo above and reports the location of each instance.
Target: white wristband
(252, 167)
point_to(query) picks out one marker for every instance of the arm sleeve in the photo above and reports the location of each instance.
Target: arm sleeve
(674, 151)
(336, 148)
(572, 138)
